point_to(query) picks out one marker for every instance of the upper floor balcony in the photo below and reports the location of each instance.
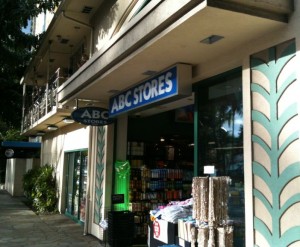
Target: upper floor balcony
(121, 40)
(41, 108)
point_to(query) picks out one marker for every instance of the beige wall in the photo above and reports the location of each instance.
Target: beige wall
(105, 25)
(15, 169)
(54, 145)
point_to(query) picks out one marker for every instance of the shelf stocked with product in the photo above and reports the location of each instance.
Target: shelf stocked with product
(159, 184)
(156, 178)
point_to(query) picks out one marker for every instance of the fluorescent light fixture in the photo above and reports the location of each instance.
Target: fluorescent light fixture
(211, 39)
(68, 120)
(40, 133)
(52, 127)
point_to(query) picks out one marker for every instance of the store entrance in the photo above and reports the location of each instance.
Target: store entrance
(219, 105)
(161, 153)
(76, 179)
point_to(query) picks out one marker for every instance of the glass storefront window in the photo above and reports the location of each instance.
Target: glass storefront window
(76, 180)
(220, 140)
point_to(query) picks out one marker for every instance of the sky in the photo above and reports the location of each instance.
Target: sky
(27, 29)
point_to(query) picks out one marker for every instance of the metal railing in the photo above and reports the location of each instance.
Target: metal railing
(45, 101)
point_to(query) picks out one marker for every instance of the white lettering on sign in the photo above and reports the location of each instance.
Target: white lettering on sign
(127, 101)
(95, 114)
(114, 105)
(160, 229)
(168, 82)
(156, 229)
(156, 88)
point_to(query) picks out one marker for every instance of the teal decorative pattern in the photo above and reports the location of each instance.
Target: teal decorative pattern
(99, 176)
(275, 146)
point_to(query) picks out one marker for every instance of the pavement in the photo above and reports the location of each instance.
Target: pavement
(21, 227)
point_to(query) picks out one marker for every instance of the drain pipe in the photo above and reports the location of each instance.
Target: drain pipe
(83, 24)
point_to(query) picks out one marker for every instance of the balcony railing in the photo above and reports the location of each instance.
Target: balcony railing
(44, 101)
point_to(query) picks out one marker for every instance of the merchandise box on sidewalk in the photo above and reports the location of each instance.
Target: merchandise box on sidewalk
(182, 243)
(162, 232)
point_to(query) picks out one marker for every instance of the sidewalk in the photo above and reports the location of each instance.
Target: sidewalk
(21, 227)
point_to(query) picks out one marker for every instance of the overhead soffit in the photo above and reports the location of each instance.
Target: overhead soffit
(179, 44)
(67, 30)
(273, 9)
(182, 44)
(62, 38)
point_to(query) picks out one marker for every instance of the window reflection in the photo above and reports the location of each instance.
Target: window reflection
(220, 135)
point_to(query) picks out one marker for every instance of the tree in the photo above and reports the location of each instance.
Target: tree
(16, 50)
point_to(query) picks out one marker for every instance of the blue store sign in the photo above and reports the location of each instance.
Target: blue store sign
(95, 116)
(158, 88)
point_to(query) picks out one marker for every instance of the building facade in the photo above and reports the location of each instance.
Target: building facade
(194, 87)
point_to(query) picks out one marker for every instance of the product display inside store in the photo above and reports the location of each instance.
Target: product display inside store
(160, 152)
(172, 206)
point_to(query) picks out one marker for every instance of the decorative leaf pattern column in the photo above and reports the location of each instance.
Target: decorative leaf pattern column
(99, 174)
(275, 146)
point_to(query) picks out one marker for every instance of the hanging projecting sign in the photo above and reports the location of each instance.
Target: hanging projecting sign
(168, 84)
(94, 116)
(9, 153)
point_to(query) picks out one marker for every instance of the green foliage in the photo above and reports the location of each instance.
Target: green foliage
(12, 135)
(16, 50)
(40, 189)
(29, 180)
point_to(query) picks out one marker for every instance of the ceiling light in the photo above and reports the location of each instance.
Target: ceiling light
(211, 39)
(68, 120)
(40, 133)
(52, 127)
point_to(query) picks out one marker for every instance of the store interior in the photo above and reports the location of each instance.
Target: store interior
(161, 153)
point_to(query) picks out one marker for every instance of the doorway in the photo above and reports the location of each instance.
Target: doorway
(219, 139)
(76, 184)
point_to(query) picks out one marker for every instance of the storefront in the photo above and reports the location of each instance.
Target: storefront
(187, 103)
(205, 138)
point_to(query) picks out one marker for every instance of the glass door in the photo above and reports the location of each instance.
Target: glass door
(76, 181)
(220, 140)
